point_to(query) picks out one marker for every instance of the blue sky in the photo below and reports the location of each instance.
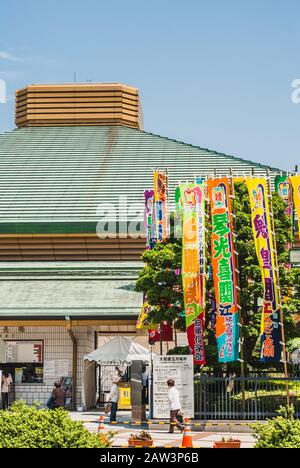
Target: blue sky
(215, 73)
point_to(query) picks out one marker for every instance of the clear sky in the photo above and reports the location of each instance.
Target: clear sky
(214, 73)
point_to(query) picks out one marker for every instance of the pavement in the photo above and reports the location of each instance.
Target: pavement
(159, 432)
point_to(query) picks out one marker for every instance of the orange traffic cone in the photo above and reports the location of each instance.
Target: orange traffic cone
(187, 439)
(101, 427)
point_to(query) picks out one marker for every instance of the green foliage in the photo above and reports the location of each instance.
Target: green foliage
(280, 432)
(29, 427)
(179, 351)
(293, 344)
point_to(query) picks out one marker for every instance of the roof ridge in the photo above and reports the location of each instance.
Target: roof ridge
(236, 158)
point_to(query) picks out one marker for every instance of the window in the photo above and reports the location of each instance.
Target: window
(24, 361)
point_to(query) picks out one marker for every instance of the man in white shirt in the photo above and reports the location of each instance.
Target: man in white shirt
(114, 399)
(175, 406)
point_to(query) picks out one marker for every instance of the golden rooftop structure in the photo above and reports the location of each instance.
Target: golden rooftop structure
(78, 104)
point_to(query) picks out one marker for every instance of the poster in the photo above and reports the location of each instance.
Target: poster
(181, 370)
(193, 266)
(18, 375)
(270, 337)
(55, 369)
(49, 369)
(62, 368)
(224, 271)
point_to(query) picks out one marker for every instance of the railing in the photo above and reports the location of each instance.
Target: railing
(248, 398)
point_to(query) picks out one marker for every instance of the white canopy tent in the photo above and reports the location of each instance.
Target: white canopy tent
(120, 350)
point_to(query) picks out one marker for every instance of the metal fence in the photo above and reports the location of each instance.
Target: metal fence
(248, 398)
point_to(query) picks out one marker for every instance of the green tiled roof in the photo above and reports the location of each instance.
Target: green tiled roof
(86, 290)
(59, 175)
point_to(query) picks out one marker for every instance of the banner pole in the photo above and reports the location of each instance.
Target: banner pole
(284, 355)
(160, 338)
(241, 320)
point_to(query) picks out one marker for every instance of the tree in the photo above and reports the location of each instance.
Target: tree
(161, 284)
(163, 287)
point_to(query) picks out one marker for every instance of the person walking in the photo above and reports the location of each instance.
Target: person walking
(5, 388)
(175, 406)
(113, 399)
(58, 395)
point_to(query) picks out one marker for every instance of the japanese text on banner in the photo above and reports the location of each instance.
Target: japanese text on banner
(224, 271)
(264, 243)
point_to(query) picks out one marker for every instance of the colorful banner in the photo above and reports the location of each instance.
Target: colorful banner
(284, 189)
(224, 271)
(178, 214)
(161, 200)
(295, 181)
(148, 218)
(193, 266)
(143, 322)
(165, 331)
(270, 339)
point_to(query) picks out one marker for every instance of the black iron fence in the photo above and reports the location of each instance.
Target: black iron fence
(248, 398)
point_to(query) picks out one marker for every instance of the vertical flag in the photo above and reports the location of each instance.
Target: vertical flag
(148, 218)
(284, 189)
(224, 270)
(295, 181)
(143, 322)
(178, 214)
(193, 266)
(270, 339)
(161, 200)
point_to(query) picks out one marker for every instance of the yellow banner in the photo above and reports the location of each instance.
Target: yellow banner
(295, 180)
(264, 244)
(143, 322)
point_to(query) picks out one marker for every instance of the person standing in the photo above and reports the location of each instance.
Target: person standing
(113, 399)
(58, 395)
(5, 388)
(175, 406)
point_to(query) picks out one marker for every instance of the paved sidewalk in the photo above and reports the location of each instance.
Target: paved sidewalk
(159, 434)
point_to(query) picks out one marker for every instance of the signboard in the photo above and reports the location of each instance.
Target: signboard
(181, 370)
(124, 396)
(24, 351)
